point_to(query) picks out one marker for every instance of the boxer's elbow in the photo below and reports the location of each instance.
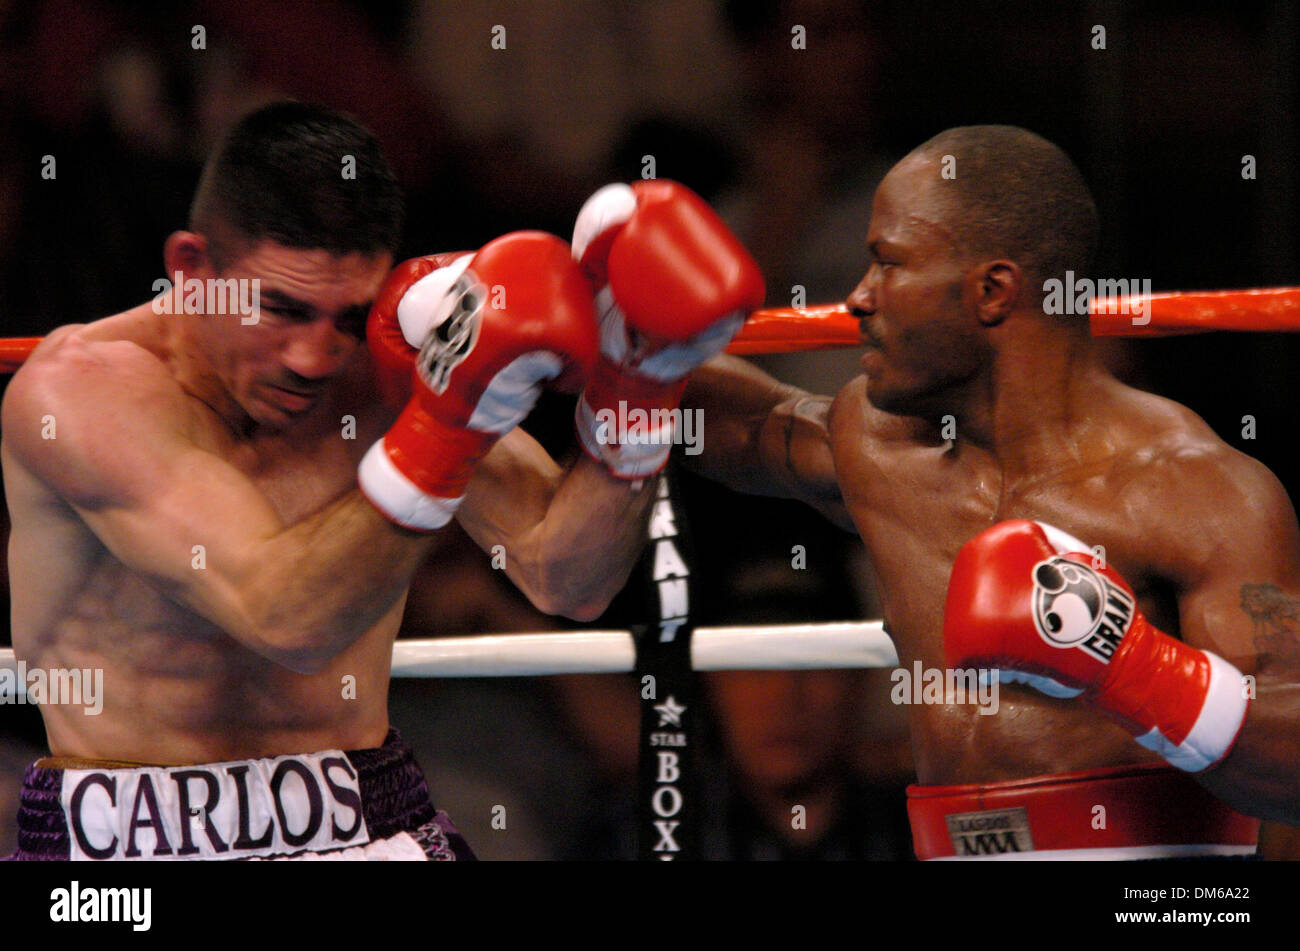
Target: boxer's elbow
(574, 605)
(306, 662)
(587, 610)
(289, 638)
(576, 597)
(590, 602)
(297, 651)
(571, 575)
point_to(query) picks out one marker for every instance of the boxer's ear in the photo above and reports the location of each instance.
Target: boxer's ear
(187, 252)
(996, 290)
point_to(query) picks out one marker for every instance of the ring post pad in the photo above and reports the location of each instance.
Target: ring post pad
(667, 781)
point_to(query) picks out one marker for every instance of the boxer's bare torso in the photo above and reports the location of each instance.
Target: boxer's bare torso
(1188, 521)
(977, 406)
(177, 688)
(916, 500)
(186, 518)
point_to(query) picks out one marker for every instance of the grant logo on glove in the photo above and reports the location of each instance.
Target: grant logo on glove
(1024, 599)
(454, 331)
(1075, 606)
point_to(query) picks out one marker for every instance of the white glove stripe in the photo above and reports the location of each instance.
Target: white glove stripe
(613, 326)
(1053, 688)
(677, 360)
(397, 496)
(1064, 542)
(513, 391)
(1216, 726)
(610, 206)
(420, 304)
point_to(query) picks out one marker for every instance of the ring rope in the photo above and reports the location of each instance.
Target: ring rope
(830, 326)
(841, 644)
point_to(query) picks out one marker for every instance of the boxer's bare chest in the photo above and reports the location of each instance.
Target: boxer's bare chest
(915, 504)
(298, 472)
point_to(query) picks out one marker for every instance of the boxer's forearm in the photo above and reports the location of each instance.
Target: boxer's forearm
(568, 540)
(1245, 609)
(1261, 776)
(305, 594)
(579, 556)
(736, 401)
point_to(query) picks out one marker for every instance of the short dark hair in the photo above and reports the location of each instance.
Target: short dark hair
(1015, 194)
(279, 174)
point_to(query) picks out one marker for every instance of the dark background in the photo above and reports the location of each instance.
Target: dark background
(788, 144)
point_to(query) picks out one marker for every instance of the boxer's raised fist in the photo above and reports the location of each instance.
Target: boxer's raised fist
(673, 266)
(1027, 598)
(673, 286)
(493, 327)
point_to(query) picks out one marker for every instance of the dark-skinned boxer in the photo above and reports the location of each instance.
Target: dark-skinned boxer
(976, 406)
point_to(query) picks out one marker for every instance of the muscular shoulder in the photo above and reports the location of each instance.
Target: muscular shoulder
(1171, 451)
(73, 370)
(1200, 499)
(78, 403)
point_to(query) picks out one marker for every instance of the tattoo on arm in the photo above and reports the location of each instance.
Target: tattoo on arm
(789, 441)
(805, 403)
(1277, 620)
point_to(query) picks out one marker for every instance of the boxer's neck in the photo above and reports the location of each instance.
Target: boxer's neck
(1037, 400)
(197, 374)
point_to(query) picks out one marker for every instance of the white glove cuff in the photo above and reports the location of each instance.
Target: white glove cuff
(1216, 727)
(629, 449)
(400, 499)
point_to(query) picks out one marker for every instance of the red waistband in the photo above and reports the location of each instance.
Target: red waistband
(1110, 808)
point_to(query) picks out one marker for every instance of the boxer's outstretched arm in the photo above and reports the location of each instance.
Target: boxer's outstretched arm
(569, 538)
(123, 457)
(765, 437)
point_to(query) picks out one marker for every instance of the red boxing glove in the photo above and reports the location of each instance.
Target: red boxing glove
(673, 287)
(394, 344)
(1027, 598)
(495, 326)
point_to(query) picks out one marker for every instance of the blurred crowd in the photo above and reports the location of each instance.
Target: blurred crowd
(505, 114)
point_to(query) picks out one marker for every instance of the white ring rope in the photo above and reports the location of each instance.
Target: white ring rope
(844, 644)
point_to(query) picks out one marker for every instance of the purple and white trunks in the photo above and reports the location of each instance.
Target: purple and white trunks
(366, 805)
